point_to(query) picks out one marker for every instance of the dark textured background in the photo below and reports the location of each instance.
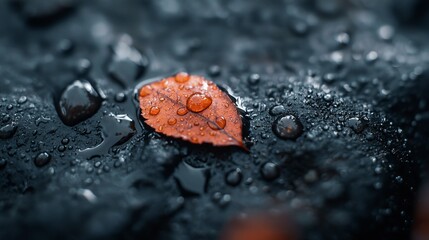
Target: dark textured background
(353, 72)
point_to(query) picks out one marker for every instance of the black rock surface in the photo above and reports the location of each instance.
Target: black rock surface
(355, 74)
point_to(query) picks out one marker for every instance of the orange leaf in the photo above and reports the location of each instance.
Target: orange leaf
(192, 108)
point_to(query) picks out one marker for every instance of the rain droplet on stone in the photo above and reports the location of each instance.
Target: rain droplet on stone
(3, 163)
(8, 130)
(277, 110)
(356, 124)
(386, 32)
(126, 63)
(234, 177)
(191, 181)
(42, 159)
(198, 102)
(371, 57)
(83, 66)
(120, 97)
(270, 171)
(116, 130)
(22, 99)
(254, 79)
(214, 71)
(288, 127)
(78, 102)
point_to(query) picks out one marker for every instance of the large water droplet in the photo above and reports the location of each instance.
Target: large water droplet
(42, 159)
(198, 102)
(8, 130)
(116, 130)
(78, 102)
(192, 181)
(288, 127)
(126, 62)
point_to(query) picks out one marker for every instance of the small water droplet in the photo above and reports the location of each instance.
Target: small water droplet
(154, 110)
(277, 110)
(172, 121)
(3, 163)
(42, 159)
(22, 99)
(198, 102)
(356, 124)
(65, 46)
(371, 57)
(182, 111)
(288, 127)
(182, 77)
(234, 177)
(83, 66)
(270, 171)
(386, 32)
(254, 79)
(65, 141)
(343, 39)
(214, 71)
(120, 97)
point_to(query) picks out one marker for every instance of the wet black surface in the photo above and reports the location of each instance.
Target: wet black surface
(354, 73)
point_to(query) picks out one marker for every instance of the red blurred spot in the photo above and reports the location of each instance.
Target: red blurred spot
(260, 227)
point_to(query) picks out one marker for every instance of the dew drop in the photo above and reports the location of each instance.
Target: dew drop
(172, 121)
(198, 102)
(182, 111)
(42, 159)
(288, 127)
(182, 77)
(154, 110)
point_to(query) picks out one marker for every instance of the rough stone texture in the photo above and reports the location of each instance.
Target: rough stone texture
(324, 61)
